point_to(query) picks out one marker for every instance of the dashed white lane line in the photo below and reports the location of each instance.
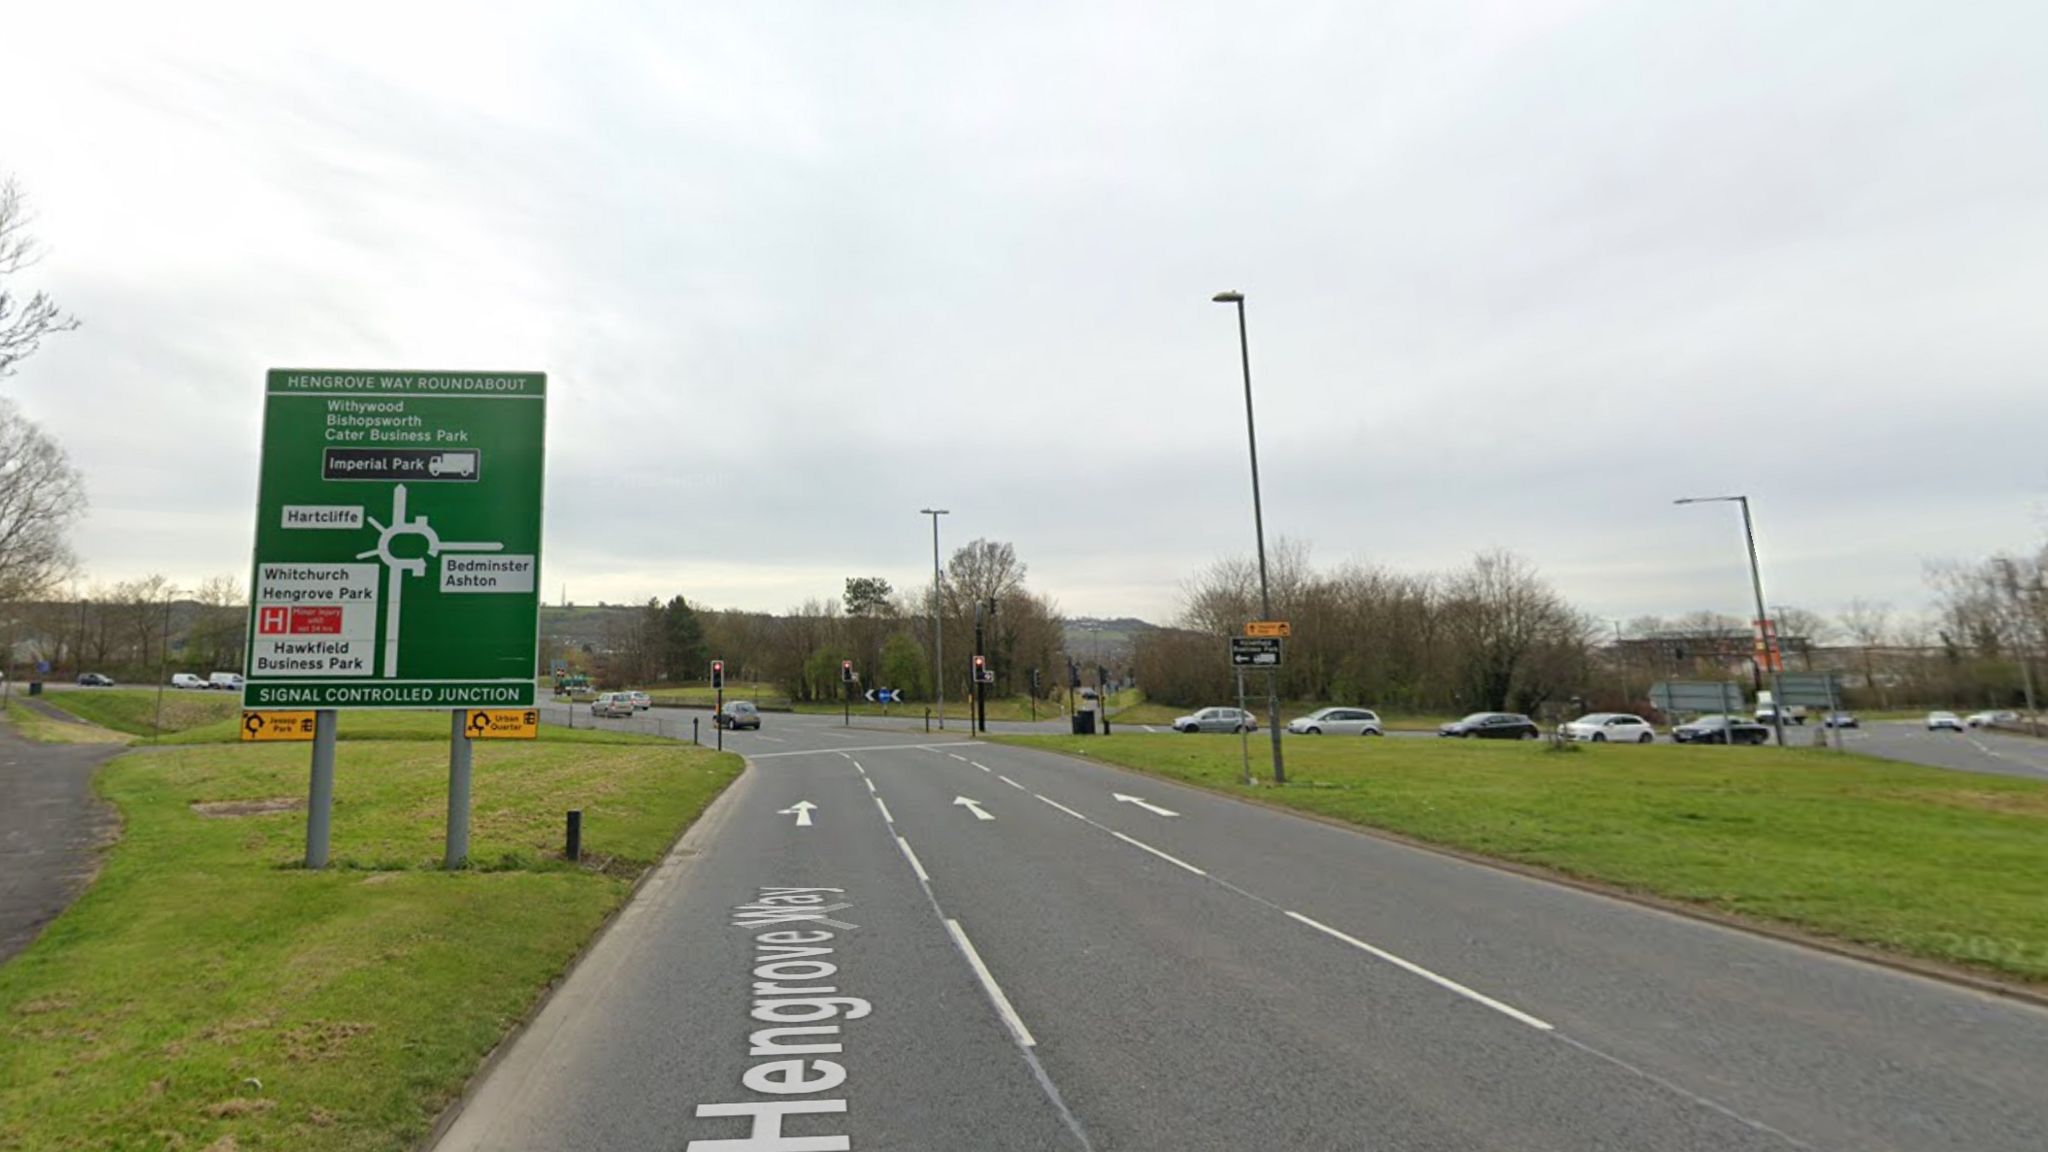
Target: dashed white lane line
(870, 784)
(1063, 808)
(885, 811)
(1173, 860)
(979, 764)
(1413, 968)
(915, 865)
(1013, 783)
(857, 767)
(1149, 728)
(959, 757)
(989, 985)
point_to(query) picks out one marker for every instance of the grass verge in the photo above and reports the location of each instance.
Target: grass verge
(134, 710)
(33, 725)
(207, 993)
(1940, 865)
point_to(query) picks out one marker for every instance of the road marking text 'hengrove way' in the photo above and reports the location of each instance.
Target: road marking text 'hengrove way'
(788, 965)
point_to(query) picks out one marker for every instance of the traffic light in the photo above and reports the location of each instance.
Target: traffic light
(1034, 680)
(846, 672)
(1073, 674)
(718, 673)
(981, 673)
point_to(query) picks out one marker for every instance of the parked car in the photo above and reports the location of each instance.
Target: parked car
(1217, 720)
(225, 681)
(1491, 726)
(1338, 722)
(1840, 720)
(94, 680)
(1721, 730)
(1938, 721)
(613, 704)
(641, 701)
(188, 680)
(738, 714)
(1991, 718)
(1609, 728)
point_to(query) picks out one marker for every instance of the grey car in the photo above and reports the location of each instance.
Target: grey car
(1217, 720)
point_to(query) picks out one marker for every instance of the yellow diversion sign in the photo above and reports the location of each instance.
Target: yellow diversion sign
(277, 726)
(503, 724)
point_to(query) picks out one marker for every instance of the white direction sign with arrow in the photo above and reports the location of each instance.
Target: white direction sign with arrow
(802, 810)
(1155, 809)
(973, 806)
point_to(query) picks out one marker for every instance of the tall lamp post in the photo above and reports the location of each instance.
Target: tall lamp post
(1756, 582)
(938, 617)
(1259, 525)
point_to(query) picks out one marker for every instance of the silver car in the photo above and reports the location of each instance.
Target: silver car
(1338, 722)
(613, 704)
(1218, 720)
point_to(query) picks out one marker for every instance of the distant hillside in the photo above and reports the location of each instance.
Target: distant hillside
(1090, 638)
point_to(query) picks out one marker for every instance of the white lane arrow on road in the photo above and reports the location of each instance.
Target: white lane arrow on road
(802, 809)
(973, 806)
(1152, 808)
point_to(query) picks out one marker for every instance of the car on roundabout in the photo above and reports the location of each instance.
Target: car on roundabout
(1609, 728)
(1945, 722)
(1991, 718)
(1338, 722)
(94, 680)
(613, 705)
(1491, 726)
(1840, 720)
(641, 701)
(1217, 720)
(1721, 730)
(738, 714)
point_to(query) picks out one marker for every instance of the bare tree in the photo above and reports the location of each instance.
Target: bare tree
(23, 323)
(1869, 627)
(41, 494)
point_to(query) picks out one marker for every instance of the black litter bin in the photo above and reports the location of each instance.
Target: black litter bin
(1084, 723)
(35, 687)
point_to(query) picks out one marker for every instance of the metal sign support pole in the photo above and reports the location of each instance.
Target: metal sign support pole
(320, 798)
(1244, 736)
(459, 747)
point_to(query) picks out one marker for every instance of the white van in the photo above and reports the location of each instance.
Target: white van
(187, 680)
(225, 681)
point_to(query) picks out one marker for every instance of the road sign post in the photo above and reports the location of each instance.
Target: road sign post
(458, 790)
(397, 559)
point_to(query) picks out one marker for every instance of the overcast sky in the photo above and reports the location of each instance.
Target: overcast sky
(1519, 273)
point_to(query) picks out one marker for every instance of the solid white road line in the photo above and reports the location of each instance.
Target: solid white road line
(1173, 860)
(835, 751)
(989, 985)
(1443, 982)
(885, 810)
(915, 865)
(1013, 783)
(1062, 807)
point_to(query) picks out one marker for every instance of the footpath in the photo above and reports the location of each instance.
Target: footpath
(52, 829)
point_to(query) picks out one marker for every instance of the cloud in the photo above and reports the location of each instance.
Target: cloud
(1518, 274)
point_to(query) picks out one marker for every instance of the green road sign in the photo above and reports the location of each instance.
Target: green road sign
(397, 541)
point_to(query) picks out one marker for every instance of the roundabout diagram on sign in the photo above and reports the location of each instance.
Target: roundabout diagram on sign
(398, 567)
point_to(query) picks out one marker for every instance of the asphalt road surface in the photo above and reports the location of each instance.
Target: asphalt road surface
(883, 940)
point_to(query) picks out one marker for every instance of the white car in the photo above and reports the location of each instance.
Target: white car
(1338, 722)
(1217, 720)
(1937, 721)
(1609, 728)
(187, 680)
(641, 701)
(1991, 719)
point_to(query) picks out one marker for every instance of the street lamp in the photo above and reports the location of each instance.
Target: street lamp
(1259, 525)
(1756, 580)
(938, 620)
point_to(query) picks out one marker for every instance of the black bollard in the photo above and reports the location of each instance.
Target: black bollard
(575, 851)
(693, 729)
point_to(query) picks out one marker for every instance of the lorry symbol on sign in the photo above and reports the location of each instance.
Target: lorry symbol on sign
(453, 464)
